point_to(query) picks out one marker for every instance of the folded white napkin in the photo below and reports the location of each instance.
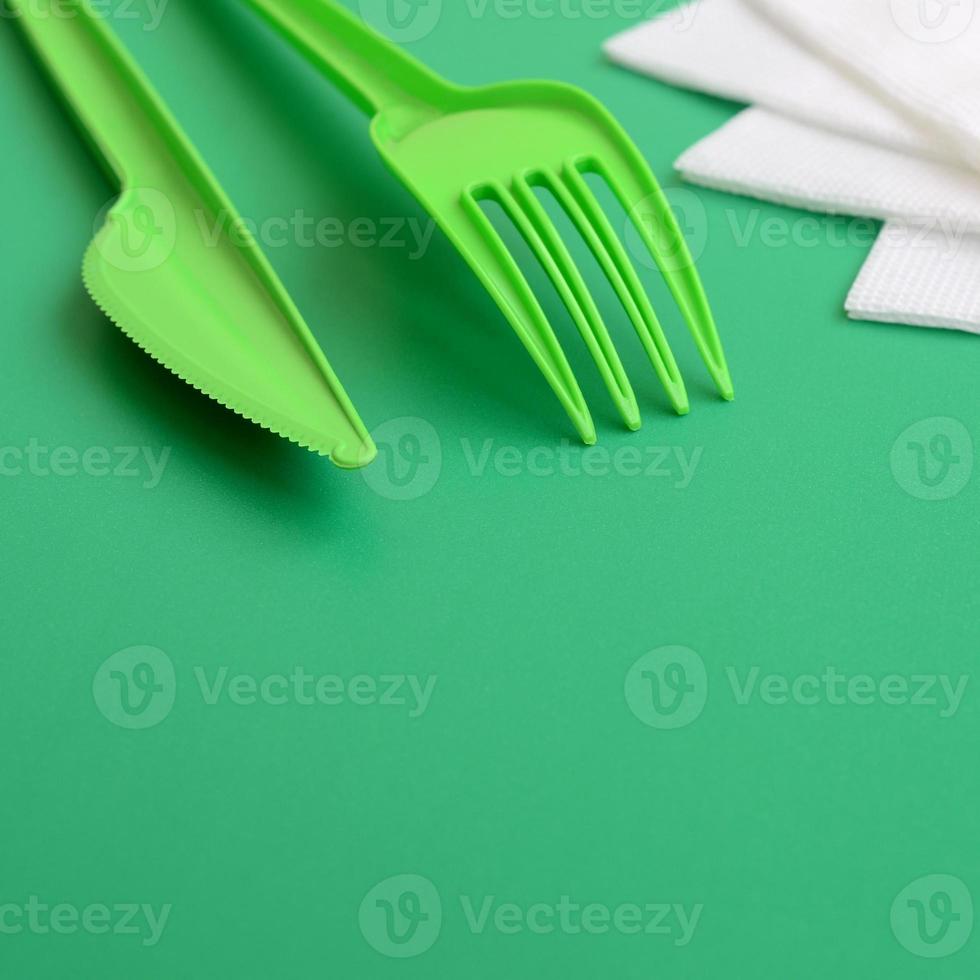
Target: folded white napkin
(920, 56)
(920, 277)
(731, 49)
(780, 159)
(725, 48)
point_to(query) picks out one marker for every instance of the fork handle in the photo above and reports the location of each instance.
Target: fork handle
(372, 71)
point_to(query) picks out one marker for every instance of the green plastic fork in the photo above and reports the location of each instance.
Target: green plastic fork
(456, 147)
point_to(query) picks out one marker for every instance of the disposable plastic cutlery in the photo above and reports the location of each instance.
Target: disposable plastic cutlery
(211, 310)
(456, 147)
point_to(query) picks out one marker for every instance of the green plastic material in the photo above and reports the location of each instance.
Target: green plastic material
(454, 147)
(212, 311)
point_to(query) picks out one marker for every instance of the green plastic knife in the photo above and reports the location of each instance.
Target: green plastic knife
(211, 309)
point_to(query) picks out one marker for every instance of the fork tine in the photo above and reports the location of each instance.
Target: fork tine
(498, 271)
(577, 199)
(531, 219)
(674, 261)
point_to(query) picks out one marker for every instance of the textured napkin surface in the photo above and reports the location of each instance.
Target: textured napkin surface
(918, 276)
(766, 155)
(920, 56)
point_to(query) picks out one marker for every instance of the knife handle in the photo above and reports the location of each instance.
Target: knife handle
(111, 98)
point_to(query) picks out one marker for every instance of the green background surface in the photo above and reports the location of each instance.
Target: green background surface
(801, 543)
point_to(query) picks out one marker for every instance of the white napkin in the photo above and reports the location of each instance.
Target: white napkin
(921, 56)
(766, 155)
(725, 48)
(728, 48)
(914, 276)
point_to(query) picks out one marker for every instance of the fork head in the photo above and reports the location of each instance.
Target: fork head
(506, 142)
